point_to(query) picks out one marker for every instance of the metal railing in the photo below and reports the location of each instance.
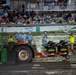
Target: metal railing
(51, 7)
(34, 25)
(44, 6)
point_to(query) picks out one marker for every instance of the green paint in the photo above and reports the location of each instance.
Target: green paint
(63, 49)
(37, 29)
(4, 55)
(3, 52)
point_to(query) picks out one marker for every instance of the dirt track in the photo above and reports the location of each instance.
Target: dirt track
(39, 68)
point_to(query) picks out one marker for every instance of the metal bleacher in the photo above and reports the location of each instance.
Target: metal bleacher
(71, 4)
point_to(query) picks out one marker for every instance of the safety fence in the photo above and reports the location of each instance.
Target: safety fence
(39, 28)
(43, 6)
(51, 7)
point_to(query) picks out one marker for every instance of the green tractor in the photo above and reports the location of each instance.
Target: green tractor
(16, 53)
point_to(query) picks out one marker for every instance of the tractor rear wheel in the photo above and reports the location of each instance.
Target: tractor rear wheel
(24, 54)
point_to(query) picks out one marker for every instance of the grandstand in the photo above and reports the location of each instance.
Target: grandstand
(51, 5)
(39, 12)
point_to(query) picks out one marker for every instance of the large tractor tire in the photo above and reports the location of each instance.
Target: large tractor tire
(24, 54)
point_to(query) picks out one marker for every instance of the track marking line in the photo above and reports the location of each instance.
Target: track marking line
(36, 65)
(55, 72)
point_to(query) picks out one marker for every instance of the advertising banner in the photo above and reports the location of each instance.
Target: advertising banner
(64, 28)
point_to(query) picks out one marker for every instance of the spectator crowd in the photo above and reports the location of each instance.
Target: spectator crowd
(35, 17)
